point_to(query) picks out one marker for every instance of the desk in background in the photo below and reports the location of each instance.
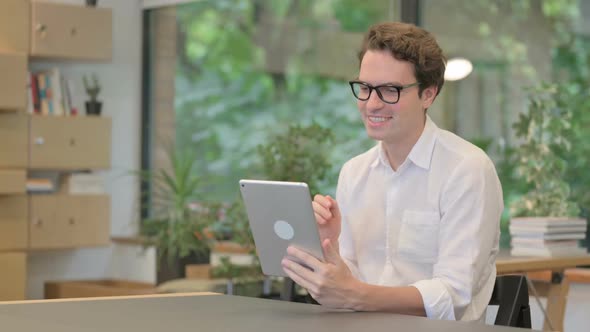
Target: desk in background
(556, 290)
(193, 312)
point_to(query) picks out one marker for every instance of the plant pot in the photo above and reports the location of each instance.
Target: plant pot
(91, 3)
(93, 107)
(176, 269)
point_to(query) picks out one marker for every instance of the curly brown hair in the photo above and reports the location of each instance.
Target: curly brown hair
(408, 42)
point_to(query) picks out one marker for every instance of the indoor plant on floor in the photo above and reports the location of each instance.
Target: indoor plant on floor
(178, 223)
(548, 205)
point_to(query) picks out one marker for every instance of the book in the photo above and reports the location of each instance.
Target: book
(35, 93)
(517, 230)
(43, 101)
(561, 236)
(48, 93)
(85, 184)
(67, 100)
(542, 243)
(548, 252)
(548, 222)
(40, 185)
(56, 90)
(30, 103)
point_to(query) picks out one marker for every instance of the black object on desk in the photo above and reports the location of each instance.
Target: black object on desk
(511, 294)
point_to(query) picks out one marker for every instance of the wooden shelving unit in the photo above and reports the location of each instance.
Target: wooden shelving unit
(31, 30)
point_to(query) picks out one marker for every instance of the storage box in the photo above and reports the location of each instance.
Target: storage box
(96, 288)
(197, 271)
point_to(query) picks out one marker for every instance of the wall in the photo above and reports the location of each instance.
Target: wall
(121, 95)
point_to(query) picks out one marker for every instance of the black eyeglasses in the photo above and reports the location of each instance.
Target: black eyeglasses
(388, 93)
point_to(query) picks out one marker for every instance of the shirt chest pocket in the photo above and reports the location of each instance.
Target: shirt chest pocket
(418, 236)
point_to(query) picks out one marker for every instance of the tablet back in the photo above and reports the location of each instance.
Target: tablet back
(280, 214)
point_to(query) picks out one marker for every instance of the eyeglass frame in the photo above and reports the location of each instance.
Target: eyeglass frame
(376, 88)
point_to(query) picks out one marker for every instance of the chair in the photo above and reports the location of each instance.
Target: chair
(511, 295)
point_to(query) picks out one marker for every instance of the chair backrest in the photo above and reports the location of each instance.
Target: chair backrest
(511, 294)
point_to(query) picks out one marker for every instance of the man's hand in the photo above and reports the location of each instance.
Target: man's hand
(330, 283)
(327, 215)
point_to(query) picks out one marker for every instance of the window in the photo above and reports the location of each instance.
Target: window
(229, 75)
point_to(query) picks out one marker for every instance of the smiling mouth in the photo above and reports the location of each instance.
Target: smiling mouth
(378, 119)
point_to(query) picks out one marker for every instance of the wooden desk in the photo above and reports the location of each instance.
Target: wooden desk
(556, 290)
(190, 313)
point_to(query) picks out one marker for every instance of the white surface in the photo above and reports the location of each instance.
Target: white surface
(121, 95)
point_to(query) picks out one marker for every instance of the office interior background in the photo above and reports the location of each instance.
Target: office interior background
(210, 92)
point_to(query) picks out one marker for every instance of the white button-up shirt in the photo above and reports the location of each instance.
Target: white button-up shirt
(433, 224)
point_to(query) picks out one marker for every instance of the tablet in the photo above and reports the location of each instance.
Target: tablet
(280, 214)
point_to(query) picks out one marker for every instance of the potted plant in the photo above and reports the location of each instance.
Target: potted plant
(179, 222)
(93, 106)
(548, 203)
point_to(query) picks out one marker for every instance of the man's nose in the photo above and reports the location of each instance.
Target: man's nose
(374, 101)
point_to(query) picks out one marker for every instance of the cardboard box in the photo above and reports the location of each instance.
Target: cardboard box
(96, 288)
(197, 271)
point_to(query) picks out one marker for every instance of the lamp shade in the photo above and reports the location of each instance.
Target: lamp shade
(458, 69)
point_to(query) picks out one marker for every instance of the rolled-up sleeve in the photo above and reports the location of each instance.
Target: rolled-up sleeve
(471, 206)
(438, 303)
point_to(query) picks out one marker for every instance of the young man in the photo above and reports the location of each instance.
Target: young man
(415, 227)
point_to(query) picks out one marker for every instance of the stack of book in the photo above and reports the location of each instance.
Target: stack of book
(547, 237)
(49, 93)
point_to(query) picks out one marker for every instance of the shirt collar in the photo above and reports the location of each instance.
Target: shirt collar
(381, 157)
(421, 153)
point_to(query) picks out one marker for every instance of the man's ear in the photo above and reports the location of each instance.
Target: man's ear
(428, 96)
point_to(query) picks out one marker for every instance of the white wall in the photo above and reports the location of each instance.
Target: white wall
(121, 96)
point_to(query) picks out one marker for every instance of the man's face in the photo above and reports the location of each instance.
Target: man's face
(392, 123)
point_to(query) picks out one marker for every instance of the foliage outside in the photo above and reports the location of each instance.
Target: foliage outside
(543, 130)
(227, 103)
(300, 155)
